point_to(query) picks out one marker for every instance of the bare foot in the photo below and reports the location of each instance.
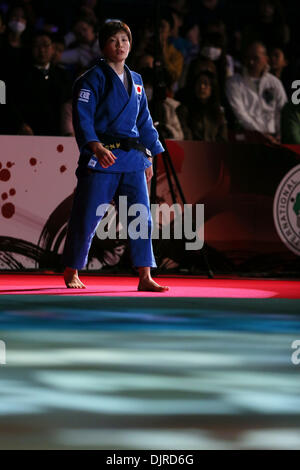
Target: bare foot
(72, 280)
(149, 285)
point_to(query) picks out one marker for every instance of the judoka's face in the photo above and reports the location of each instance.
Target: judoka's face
(117, 47)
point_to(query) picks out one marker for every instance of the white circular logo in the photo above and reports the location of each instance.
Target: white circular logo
(286, 210)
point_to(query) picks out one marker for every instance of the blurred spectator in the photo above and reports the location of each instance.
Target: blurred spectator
(200, 64)
(201, 116)
(278, 61)
(14, 52)
(58, 49)
(213, 50)
(255, 96)
(85, 50)
(164, 109)
(280, 67)
(290, 124)
(17, 33)
(144, 61)
(216, 34)
(193, 37)
(167, 55)
(89, 8)
(179, 5)
(172, 58)
(207, 11)
(57, 16)
(87, 13)
(270, 26)
(180, 43)
(43, 89)
(142, 54)
(29, 7)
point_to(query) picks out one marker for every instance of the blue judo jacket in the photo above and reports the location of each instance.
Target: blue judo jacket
(102, 105)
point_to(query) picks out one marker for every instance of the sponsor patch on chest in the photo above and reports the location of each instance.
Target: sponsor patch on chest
(138, 88)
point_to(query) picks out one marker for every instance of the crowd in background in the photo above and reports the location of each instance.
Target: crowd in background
(213, 70)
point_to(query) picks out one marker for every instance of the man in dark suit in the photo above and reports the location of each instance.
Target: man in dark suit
(44, 88)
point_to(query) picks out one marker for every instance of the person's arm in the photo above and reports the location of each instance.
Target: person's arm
(85, 98)
(86, 95)
(67, 128)
(235, 100)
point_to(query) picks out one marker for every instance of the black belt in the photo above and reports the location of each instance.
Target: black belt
(126, 144)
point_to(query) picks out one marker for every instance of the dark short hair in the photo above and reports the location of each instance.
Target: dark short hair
(41, 33)
(111, 27)
(86, 19)
(283, 48)
(255, 43)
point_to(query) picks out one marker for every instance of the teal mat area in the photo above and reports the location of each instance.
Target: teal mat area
(28, 311)
(124, 373)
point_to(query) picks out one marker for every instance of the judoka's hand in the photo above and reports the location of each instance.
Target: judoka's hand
(105, 157)
(149, 173)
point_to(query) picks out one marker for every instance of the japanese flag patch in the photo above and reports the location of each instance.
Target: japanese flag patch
(138, 88)
(84, 95)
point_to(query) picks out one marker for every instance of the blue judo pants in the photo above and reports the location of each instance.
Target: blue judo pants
(95, 188)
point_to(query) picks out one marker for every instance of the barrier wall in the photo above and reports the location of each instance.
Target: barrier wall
(236, 183)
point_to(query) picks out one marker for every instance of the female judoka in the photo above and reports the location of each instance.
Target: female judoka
(110, 112)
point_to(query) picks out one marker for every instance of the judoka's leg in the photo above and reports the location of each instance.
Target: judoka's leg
(134, 186)
(93, 188)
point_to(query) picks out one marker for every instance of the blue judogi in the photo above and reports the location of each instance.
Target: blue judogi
(103, 106)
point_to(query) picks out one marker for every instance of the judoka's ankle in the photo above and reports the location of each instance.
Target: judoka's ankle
(70, 270)
(144, 273)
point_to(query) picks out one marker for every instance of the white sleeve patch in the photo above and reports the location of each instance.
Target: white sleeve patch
(84, 95)
(92, 162)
